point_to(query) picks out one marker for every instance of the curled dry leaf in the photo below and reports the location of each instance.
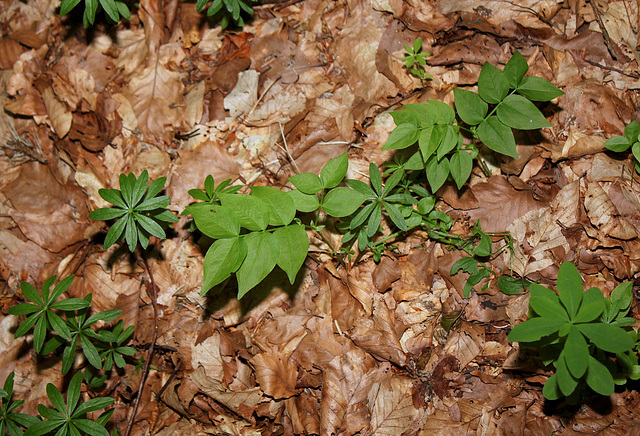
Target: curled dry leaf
(59, 114)
(94, 130)
(241, 402)
(276, 374)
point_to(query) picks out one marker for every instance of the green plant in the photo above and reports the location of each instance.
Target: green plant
(504, 101)
(418, 59)
(631, 139)
(229, 11)
(10, 420)
(113, 8)
(42, 313)
(575, 331)
(139, 211)
(70, 418)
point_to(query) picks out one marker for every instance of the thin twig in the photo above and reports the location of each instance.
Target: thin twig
(152, 291)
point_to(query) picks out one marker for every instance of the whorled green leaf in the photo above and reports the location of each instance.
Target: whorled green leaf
(551, 390)
(282, 209)
(497, 136)
(607, 337)
(534, 329)
(262, 256)
(566, 382)
(576, 353)
(293, 244)
(546, 305)
(570, 288)
(223, 258)
(470, 107)
(599, 378)
(449, 142)
(518, 112)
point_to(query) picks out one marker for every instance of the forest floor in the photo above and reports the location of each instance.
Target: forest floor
(355, 348)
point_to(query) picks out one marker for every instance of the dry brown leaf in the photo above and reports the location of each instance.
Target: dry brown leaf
(195, 103)
(207, 355)
(500, 203)
(345, 385)
(59, 114)
(465, 343)
(93, 130)
(391, 406)
(276, 374)
(385, 273)
(303, 412)
(604, 215)
(242, 402)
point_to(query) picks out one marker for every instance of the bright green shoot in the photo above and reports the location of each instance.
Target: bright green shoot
(113, 8)
(416, 60)
(11, 421)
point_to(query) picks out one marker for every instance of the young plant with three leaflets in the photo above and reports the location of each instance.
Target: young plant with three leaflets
(631, 139)
(139, 211)
(504, 101)
(577, 331)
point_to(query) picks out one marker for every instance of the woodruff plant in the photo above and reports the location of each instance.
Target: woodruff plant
(577, 332)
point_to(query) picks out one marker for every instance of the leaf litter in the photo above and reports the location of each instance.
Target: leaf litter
(384, 349)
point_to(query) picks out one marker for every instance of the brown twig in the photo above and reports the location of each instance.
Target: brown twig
(152, 291)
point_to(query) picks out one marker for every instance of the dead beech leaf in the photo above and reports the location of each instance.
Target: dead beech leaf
(465, 343)
(385, 273)
(391, 406)
(245, 400)
(303, 412)
(59, 114)
(195, 103)
(133, 49)
(538, 232)
(500, 203)
(276, 374)
(604, 215)
(345, 386)
(243, 96)
(207, 354)
(94, 130)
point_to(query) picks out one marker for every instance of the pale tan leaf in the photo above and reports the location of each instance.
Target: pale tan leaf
(247, 399)
(604, 215)
(207, 355)
(243, 96)
(195, 101)
(133, 49)
(391, 406)
(465, 343)
(276, 374)
(59, 114)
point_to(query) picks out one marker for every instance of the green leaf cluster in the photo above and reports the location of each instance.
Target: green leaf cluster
(228, 11)
(114, 9)
(73, 329)
(631, 139)
(10, 420)
(416, 60)
(138, 210)
(504, 101)
(576, 332)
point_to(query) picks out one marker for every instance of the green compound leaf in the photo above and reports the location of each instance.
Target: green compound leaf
(396, 216)
(607, 337)
(304, 202)
(461, 166)
(376, 179)
(334, 171)
(618, 144)
(403, 136)
(216, 221)
(429, 141)
(67, 5)
(483, 249)
(632, 131)
(538, 89)
(515, 69)
(282, 209)
(518, 112)
(470, 107)
(591, 307)
(115, 233)
(497, 137)
(341, 201)
(576, 352)
(293, 243)
(570, 288)
(437, 172)
(252, 212)
(223, 258)
(106, 213)
(113, 196)
(373, 224)
(510, 285)
(451, 139)
(435, 112)
(534, 329)
(493, 85)
(262, 256)
(599, 378)
(307, 183)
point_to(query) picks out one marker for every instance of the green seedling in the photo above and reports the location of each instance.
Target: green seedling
(138, 210)
(113, 8)
(576, 332)
(229, 11)
(42, 313)
(70, 418)
(416, 60)
(11, 421)
(631, 139)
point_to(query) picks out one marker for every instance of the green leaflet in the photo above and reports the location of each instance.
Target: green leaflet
(402, 136)
(538, 89)
(470, 107)
(304, 202)
(518, 112)
(253, 213)
(262, 256)
(493, 85)
(342, 201)
(307, 183)
(293, 244)
(461, 165)
(497, 136)
(223, 258)
(215, 221)
(281, 206)
(515, 69)
(334, 171)
(437, 172)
